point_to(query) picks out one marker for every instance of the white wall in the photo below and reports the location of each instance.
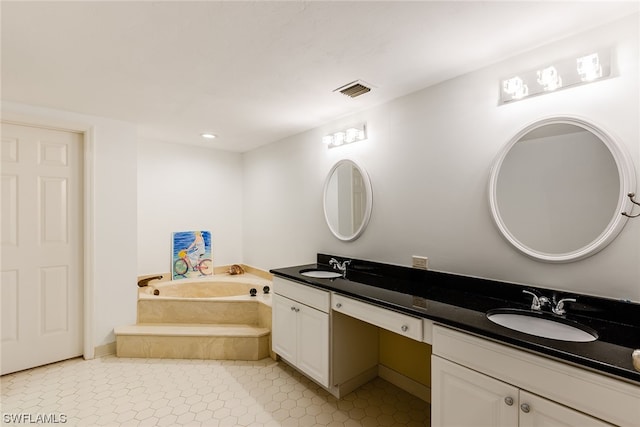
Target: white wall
(428, 156)
(182, 188)
(114, 207)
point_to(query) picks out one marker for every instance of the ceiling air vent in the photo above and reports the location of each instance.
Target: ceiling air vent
(354, 89)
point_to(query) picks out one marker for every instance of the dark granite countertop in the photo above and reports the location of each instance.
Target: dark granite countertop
(462, 302)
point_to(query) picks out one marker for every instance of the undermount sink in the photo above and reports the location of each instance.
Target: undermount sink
(321, 274)
(542, 325)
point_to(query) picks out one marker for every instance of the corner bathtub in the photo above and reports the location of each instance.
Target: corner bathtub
(220, 299)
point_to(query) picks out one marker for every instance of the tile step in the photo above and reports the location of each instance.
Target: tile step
(192, 330)
(193, 341)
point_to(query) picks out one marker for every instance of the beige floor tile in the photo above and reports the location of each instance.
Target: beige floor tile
(202, 393)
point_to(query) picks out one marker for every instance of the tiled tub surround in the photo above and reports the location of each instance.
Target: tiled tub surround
(462, 302)
(221, 299)
(212, 318)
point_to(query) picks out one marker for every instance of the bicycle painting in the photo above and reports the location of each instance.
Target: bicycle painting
(191, 254)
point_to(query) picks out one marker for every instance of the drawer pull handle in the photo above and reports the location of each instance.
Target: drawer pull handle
(404, 328)
(525, 408)
(338, 305)
(508, 401)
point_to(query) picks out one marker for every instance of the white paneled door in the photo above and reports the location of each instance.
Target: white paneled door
(42, 246)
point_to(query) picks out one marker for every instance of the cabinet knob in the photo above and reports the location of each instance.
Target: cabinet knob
(293, 308)
(404, 328)
(508, 400)
(338, 305)
(525, 408)
(297, 310)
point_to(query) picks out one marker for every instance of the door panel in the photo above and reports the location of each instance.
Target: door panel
(9, 295)
(54, 289)
(9, 211)
(313, 343)
(42, 246)
(463, 397)
(284, 328)
(54, 217)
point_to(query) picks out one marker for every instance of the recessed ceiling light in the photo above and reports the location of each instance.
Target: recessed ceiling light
(208, 135)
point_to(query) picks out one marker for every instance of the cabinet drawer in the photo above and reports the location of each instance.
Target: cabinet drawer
(304, 294)
(393, 321)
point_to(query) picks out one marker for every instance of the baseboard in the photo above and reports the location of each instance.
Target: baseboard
(405, 383)
(105, 350)
(354, 383)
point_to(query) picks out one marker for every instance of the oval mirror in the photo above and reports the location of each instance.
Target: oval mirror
(558, 188)
(347, 200)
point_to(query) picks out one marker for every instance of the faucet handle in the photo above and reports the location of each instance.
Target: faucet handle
(535, 303)
(559, 308)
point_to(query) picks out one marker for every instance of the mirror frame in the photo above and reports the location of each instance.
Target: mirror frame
(368, 206)
(626, 176)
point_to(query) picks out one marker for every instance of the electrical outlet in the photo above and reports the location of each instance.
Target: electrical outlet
(421, 262)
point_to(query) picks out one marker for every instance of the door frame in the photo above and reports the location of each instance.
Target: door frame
(88, 210)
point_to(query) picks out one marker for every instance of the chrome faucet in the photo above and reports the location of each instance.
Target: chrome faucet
(539, 302)
(340, 266)
(559, 307)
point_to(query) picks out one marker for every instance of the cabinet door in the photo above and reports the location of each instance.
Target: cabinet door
(538, 412)
(284, 327)
(462, 397)
(313, 343)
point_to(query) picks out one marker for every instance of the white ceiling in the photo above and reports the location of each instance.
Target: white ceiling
(255, 72)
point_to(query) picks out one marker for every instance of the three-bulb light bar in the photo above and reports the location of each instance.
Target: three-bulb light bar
(562, 74)
(347, 136)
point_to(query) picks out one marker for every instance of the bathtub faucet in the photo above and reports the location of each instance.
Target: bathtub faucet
(340, 266)
(144, 282)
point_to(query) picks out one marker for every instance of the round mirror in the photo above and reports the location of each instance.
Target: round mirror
(558, 188)
(347, 200)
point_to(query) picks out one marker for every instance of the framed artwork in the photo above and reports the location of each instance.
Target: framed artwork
(191, 254)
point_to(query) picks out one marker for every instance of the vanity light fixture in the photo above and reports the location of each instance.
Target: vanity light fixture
(565, 73)
(347, 136)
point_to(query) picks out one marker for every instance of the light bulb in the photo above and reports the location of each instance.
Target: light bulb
(351, 135)
(515, 87)
(549, 78)
(589, 67)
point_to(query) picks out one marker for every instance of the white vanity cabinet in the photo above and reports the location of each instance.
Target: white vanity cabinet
(300, 330)
(479, 382)
(463, 397)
